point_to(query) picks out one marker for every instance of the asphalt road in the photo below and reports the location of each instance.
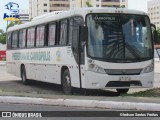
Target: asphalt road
(20, 108)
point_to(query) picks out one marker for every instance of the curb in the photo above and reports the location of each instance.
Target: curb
(82, 103)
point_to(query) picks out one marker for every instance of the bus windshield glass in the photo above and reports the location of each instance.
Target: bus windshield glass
(119, 37)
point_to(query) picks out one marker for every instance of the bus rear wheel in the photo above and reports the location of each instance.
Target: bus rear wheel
(122, 91)
(66, 82)
(23, 76)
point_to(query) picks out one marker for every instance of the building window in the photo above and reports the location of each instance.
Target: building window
(45, 10)
(45, 4)
(97, 5)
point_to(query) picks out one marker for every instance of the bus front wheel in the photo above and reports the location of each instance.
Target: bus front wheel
(122, 91)
(23, 76)
(66, 82)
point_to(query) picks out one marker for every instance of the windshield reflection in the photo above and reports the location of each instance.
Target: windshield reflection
(119, 37)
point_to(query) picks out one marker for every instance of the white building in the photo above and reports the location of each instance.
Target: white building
(24, 15)
(124, 3)
(40, 7)
(154, 12)
(98, 3)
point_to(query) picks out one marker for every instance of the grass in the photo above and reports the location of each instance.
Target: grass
(148, 93)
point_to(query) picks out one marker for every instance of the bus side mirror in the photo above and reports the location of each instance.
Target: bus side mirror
(155, 37)
(155, 34)
(83, 33)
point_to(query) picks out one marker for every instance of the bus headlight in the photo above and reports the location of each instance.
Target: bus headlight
(96, 68)
(148, 69)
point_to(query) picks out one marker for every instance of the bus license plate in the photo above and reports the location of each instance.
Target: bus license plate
(124, 78)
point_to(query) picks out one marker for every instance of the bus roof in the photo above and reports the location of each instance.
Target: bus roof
(53, 16)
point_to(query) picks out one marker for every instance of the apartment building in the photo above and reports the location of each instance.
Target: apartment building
(98, 3)
(40, 7)
(154, 12)
(24, 15)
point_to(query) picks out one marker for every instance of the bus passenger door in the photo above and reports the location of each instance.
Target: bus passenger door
(74, 30)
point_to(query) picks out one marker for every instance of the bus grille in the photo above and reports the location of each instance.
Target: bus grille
(123, 71)
(123, 84)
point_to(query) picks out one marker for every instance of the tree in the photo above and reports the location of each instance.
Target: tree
(123, 6)
(12, 23)
(3, 34)
(88, 4)
(2, 37)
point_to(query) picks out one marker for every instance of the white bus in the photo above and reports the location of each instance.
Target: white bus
(91, 48)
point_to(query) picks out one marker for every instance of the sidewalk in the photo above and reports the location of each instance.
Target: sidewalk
(2, 63)
(118, 103)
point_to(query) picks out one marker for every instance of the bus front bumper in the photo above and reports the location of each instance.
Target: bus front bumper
(102, 81)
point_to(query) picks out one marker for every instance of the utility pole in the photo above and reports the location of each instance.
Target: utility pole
(7, 26)
(81, 3)
(37, 7)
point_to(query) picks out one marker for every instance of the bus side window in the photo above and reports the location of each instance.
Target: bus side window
(30, 37)
(22, 38)
(52, 35)
(40, 36)
(15, 39)
(63, 32)
(9, 35)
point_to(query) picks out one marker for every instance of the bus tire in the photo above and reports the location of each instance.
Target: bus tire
(23, 76)
(122, 91)
(66, 82)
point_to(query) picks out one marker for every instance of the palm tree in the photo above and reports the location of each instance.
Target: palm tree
(12, 23)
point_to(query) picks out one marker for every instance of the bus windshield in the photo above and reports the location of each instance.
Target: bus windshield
(119, 37)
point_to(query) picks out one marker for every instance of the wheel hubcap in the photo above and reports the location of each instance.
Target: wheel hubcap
(67, 84)
(23, 77)
(68, 80)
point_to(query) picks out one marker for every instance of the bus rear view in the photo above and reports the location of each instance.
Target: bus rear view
(120, 51)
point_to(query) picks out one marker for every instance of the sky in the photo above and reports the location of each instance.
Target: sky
(24, 4)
